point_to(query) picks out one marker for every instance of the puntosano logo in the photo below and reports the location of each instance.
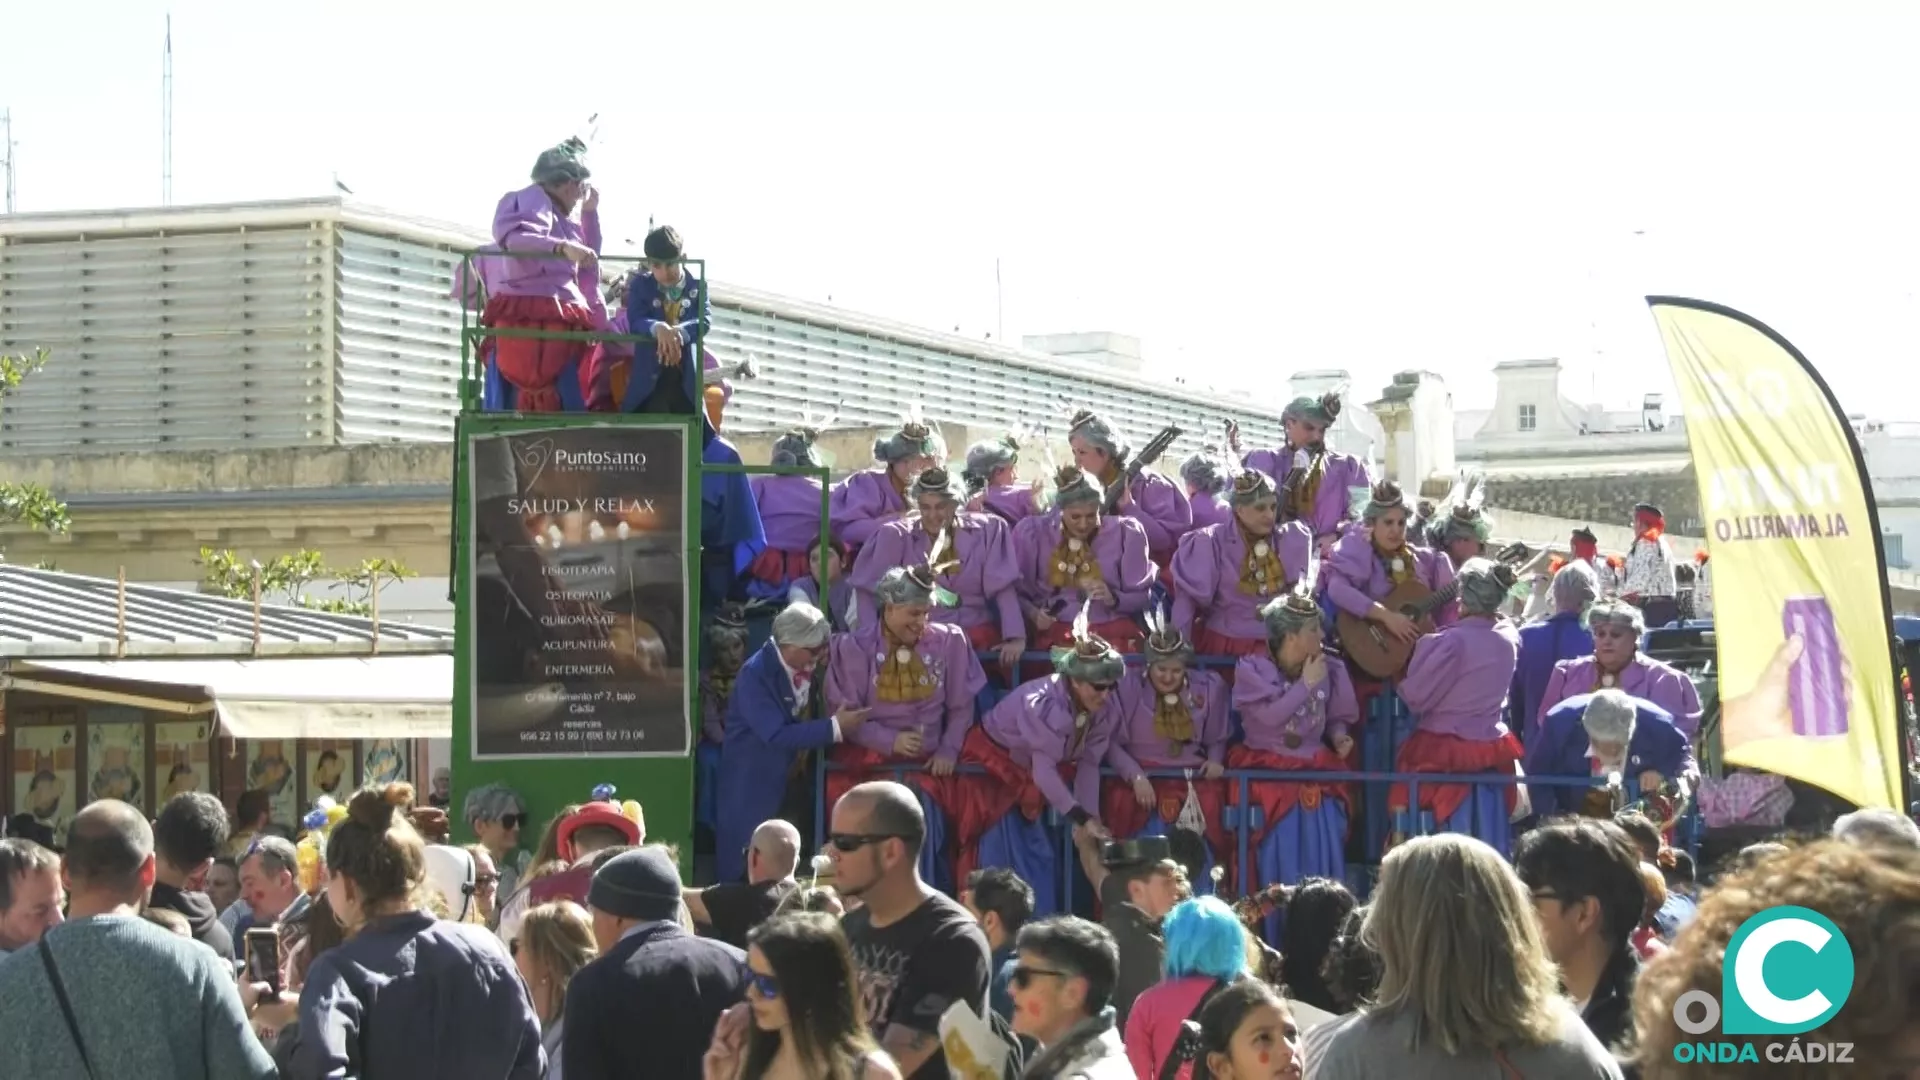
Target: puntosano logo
(600, 459)
(1787, 971)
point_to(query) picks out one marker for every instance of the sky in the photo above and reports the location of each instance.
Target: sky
(1251, 190)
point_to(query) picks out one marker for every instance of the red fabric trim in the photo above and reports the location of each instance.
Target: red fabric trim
(534, 366)
(775, 567)
(1125, 817)
(1429, 752)
(984, 636)
(1277, 798)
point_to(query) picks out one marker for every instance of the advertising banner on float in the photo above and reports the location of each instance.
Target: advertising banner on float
(579, 592)
(1802, 618)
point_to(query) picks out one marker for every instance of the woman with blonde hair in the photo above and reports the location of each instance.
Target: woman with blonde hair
(1466, 989)
(556, 940)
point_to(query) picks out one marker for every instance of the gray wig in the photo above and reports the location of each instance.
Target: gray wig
(1100, 433)
(1386, 497)
(1202, 472)
(1618, 613)
(1610, 717)
(937, 481)
(491, 802)
(912, 440)
(800, 625)
(795, 448)
(1483, 586)
(904, 585)
(989, 457)
(1574, 587)
(1071, 486)
(560, 164)
(1289, 615)
(1252, 485)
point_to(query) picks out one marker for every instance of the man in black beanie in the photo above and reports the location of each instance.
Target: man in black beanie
(648, 1005)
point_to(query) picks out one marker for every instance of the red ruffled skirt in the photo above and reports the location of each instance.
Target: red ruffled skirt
(1124, 816)
(1277, 798)
(975, 803)
(1428, 752)
(532, 365)
(776, 567)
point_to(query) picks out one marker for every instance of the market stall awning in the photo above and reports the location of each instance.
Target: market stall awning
(332, 697)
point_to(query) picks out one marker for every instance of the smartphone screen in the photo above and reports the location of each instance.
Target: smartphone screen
(263, 957)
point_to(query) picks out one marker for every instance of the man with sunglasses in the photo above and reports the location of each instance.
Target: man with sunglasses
(916, 951)
(1063, 984)
(496, 814)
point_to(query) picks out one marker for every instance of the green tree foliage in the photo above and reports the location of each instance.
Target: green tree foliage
(28, 504)
(286, 579)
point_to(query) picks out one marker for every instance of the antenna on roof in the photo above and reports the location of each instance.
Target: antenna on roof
(7, 148)
(166, 121)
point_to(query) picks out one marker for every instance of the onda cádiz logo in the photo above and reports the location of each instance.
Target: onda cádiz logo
(1787, 971)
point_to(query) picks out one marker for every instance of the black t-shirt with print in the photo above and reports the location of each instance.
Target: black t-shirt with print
(912, 971)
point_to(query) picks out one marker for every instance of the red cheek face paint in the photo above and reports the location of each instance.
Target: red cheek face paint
(1032, 1008)
(1265, 1058)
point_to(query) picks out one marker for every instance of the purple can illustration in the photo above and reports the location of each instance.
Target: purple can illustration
(1816, 684)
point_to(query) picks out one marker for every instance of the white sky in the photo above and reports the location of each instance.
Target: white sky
(1250, 193)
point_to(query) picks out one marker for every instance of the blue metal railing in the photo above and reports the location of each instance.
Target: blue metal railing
(1241, 817)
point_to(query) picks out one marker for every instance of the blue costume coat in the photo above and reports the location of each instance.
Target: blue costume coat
(649, 306)
(766, 730)
(1560, 749)
(1542, 645)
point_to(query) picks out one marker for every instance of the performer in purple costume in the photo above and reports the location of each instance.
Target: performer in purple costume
(993, 485)
(1162, 510)
(1560, 636)
(1297, 713)
(1323, 495)
(1029, 743)
(1456, 685)
(1224, 574)
(916, 681)
(978, 564)
(1616, 663)
(790, 514)
(1074, 557)
(1369, 562)
(1172, 716)
(551, 294)
(864, 501)
(1206, 480)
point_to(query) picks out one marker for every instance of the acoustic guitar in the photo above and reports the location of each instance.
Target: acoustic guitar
(1371, 649)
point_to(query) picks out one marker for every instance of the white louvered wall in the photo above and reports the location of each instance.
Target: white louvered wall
(321, 322)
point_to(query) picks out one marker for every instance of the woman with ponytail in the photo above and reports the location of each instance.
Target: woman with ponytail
(406, 994)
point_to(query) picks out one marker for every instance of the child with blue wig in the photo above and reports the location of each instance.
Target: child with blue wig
(1207, 950)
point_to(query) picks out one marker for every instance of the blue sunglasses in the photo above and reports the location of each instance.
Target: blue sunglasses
(766, 986)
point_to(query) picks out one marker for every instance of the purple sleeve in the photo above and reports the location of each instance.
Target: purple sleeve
(1343, 710)
(1433, 667)
(844, 660)
(1257, 693)
(523, 229)
(1296, 543)
(1000, 576)
(1556, 692)
(1127, 699)
(881, 553)
(1086, 774)
(1216, 727)
(1348, 573)
(1441, 576)
(1687, 717)
(590, 228)
(962, 690)
(1028, 536)
(1162, 511)
(1046, 777)
(1195, 573)
(876, 738)
(855, 510)
(1136, 570)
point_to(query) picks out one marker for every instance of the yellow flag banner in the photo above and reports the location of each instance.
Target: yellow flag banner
(1802, 620)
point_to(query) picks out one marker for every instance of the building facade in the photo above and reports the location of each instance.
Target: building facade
(325, 323)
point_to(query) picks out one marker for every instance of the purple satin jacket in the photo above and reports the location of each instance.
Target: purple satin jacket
(1458, 680)
(789, 510)
(1036, 725)
(527, 221)
(1357, 577)
(862, 503)
(1135, 744)
(986, 583)
(1644, 678)
(942, 718)
(1333, 503)
(1119, 549)
(1206, 578)
(1272, 705)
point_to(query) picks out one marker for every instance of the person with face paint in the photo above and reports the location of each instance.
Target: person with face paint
(1102, 452)
(1224, 574)
(1457, 684)
(993, 484)
(977, 564)
(559, 293)
(1172, 716)
(789, 514)
(860, 504)
(915, 681)
(1617, 663)
(1297, 710)
(1606, 733)
(1245, 1032)
(1041, 748)
(1075, 558)
(1206, 479)
(1324, 481)
(1560, 636)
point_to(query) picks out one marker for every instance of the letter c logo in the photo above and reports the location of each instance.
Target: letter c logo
(1787, 971)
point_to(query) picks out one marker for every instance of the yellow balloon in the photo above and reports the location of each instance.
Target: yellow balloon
(633, 812)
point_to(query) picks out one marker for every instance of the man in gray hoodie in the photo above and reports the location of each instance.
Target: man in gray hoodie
(141, 1003)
